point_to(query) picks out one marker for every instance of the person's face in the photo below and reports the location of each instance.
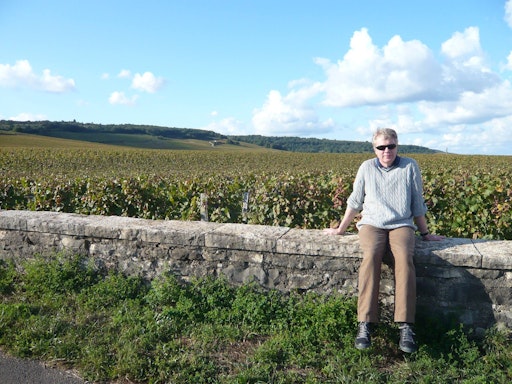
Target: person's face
(385, 155)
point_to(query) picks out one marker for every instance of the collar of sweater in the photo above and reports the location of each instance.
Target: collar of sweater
(387, 169)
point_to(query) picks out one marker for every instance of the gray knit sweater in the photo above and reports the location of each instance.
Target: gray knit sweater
(388, 197)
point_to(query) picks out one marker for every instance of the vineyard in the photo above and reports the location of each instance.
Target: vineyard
(467, 196)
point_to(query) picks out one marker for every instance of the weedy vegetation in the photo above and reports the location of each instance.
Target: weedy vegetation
(112, 328)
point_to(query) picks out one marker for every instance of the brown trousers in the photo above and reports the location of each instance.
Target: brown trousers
(375, 243)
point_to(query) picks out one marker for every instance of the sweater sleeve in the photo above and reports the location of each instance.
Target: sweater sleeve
(356, 198)
(418, 206)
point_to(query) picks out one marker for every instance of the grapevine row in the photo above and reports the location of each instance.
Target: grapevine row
(467, 196)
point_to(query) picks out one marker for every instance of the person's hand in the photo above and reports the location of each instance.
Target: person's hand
(333, 231)
(432, 237)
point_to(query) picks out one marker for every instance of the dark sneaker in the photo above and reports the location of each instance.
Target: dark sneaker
(363, 338)
(407, 343)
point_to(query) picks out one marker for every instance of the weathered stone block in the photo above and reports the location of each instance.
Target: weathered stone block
(247, 237)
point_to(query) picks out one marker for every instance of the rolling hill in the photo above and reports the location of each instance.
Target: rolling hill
(156, 137)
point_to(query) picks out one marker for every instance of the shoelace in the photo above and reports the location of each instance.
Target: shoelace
(407, 334)
(364, 331)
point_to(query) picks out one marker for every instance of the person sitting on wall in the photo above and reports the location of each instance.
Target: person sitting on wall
(388, 191)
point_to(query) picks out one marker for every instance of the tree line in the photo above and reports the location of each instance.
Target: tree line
(283, 143)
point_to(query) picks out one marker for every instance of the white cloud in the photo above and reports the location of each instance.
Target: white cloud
(492, 137)
(18, 74)
(465, 69)
(289, 115)
(227, 126)
(470, 107)
(508, 13)
(429, 100)
(405, 71)
(463, 44)
(21, 75)
(509, 62)
(57, 84)
(119, 98)
(147, 82)
(25, 116)
(399, 117)
(124, 74)
(400, 71)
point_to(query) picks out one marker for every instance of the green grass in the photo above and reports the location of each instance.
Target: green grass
(113, 328)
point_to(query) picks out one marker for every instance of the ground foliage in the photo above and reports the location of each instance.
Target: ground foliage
(467, 196)
(112, 328)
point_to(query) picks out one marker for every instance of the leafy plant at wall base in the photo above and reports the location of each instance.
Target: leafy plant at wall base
(111, 327)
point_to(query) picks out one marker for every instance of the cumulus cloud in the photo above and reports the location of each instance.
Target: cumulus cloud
(471, 107)
(119, 98)
(367, 75)
(400, 117)
(290, 115)
(489, 137)
(428, 98)
(464, 44)
(18, 74)
(147, 82)
(21, 75)
(508, 13)
(508, 65)
(405, 71)
(57, 84)
(465, 69)
(227, 126)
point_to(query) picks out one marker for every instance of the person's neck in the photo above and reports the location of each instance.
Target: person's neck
(394, 163)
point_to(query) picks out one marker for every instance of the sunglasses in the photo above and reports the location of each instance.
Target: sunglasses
(383, 147)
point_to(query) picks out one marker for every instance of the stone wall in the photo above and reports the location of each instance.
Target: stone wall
(469, 278)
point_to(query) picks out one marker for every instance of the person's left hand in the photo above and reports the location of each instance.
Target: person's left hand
(333, 231)
(432, 237)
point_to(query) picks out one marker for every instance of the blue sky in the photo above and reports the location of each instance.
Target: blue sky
(437, 71)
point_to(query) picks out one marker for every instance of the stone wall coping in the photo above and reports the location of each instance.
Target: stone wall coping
(469, 253)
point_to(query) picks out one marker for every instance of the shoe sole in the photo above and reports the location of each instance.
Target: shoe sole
(408, 350)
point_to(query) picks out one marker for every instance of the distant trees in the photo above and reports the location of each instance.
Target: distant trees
(292, 144)
(54, 128)
(299, 144)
